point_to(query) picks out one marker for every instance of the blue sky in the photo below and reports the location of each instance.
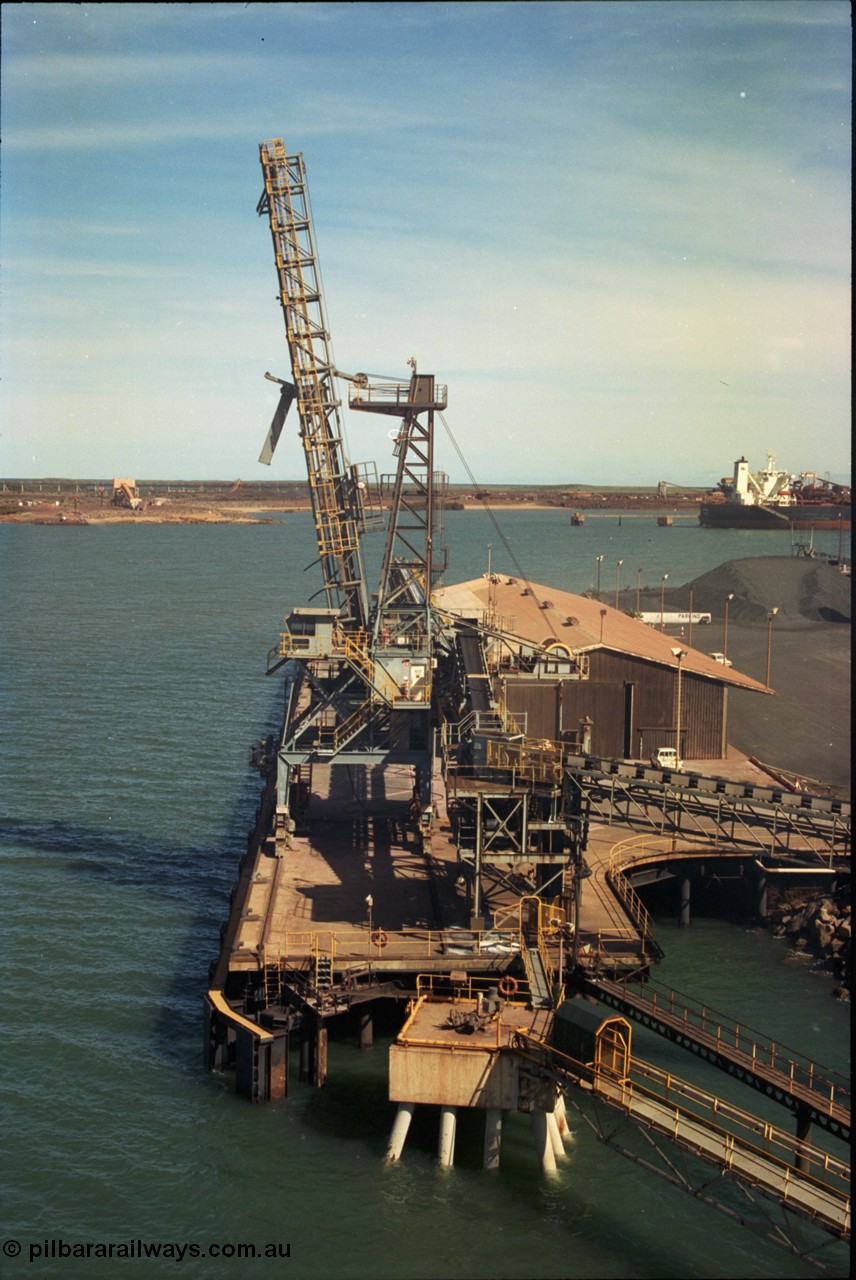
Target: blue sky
(620, 232)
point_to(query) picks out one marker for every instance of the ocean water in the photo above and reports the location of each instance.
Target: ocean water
(133, 681)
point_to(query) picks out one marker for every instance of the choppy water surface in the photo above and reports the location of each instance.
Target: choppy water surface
(132, 667)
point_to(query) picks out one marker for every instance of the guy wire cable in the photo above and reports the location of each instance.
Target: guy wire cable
(506, 544)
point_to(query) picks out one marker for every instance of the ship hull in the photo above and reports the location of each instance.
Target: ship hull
(734, 515)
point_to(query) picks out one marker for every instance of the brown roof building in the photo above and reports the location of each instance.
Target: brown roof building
(573, 669)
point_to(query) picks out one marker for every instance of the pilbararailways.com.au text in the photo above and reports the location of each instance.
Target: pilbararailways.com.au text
(57, 1248)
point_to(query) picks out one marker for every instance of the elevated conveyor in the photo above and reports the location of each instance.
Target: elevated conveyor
(771, 822)
(475, 672)
(811, 1092)
(806, 1181)
(761, 1156)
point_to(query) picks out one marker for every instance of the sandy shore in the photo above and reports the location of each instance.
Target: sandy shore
(187, 513)
(75, 504)
(178, 514)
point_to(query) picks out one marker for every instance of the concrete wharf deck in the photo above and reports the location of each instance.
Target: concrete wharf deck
(432, 1024)
(314, 898)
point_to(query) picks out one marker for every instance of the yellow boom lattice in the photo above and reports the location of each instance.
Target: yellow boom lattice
(335, 494)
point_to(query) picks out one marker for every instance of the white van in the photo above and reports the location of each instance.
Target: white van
(666, 758)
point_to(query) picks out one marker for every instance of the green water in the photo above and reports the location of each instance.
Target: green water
(132, 670)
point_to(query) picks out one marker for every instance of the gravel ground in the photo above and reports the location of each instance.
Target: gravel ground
(806, 727)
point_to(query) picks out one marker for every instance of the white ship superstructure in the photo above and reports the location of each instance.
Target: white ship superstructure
(770, 485)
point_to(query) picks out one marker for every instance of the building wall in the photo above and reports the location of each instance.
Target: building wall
(632, 704)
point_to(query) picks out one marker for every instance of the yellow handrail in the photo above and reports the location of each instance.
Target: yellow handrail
(534, 759)
(358, 944)
(618, 860)
(687, 1100)
(354, 646)
(427, 984)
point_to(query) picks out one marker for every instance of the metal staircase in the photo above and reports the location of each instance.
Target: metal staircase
(539, 983)
(323, 971)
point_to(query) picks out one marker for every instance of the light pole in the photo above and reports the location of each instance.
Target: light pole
(728, 600)
(617, 579)
(680, 654)
(662, 599)
(690, 623)
(770, 616)
(638, 588)
(599, 563)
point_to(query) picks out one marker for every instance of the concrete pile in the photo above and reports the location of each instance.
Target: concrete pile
(819, 926)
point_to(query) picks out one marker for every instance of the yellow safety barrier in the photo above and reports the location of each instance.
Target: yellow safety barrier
(741, 1141)
(355, 944)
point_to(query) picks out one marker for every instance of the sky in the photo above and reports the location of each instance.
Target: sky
(619, 232)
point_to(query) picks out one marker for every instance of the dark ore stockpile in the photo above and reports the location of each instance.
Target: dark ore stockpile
(806, 592)
(805, 728)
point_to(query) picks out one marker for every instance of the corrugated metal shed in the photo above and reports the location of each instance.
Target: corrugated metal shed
(630, 691)
(576, 621)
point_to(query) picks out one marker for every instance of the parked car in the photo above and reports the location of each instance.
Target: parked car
(666, 758)
(720, 657)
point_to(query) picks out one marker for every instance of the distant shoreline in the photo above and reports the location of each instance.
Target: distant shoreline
(55, 506)
(254, 514)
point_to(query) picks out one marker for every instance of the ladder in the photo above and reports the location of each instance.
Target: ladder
(539, 985)
(323, 971)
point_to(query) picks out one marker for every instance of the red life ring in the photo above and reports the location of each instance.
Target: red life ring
(508, 986)
(379, 938)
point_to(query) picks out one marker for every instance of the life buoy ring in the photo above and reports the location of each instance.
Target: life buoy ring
(379, 938)
(507, 986)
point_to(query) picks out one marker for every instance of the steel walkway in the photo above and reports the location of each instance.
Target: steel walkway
(748, 1149)
(813, 1093)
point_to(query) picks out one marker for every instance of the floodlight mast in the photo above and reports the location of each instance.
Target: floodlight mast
(334, 488)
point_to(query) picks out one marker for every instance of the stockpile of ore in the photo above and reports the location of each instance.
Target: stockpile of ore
(819, 926)
(805, 592)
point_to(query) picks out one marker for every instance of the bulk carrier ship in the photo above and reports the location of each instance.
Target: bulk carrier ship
(773, 499)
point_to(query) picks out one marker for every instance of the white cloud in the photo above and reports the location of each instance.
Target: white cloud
(60, 73)
(586, 253)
